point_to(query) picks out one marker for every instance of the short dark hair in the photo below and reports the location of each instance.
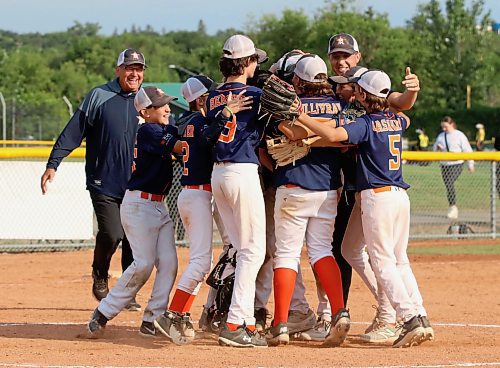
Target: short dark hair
(311, 89)
(449, 120)
(235, 67)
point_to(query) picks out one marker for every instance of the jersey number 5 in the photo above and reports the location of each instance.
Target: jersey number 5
(227, 134)
(185, 157)
(394, 164)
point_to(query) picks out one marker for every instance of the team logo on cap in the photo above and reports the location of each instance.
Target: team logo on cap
(339, 41)
(134, 55)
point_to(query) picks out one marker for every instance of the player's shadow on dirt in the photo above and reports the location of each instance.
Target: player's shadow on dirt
(119, 335)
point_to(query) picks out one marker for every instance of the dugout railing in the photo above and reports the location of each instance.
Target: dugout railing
(476, 199)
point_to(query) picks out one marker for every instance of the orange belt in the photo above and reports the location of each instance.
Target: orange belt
(387, 188)
(291, 186)
(153, 197)
(206, 187)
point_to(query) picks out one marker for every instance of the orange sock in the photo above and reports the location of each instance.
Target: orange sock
(284, 283)
(251, 328)
(232, 326)
(181, 302)
(328, 273)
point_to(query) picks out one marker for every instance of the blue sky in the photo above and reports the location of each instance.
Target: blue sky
(24, 16)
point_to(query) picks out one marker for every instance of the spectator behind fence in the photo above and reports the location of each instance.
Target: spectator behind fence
(108, 120)
(480, 136)
(452, 140)
(496, 145)
(423, 140)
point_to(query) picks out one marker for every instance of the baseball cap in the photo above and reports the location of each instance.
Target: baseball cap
(375, 82)
(129, 57)
(309, 66)
(240, 46)
(196, 86)
(151, 96)
(343, 42)
(354, 72)
(479, 126)
(285, 66)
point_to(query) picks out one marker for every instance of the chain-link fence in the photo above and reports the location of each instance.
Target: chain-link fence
(62, 219)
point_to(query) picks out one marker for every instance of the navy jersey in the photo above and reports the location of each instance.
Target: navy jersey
(241, 136)
(379, 139)
(320, 169)
(349, 114)
(196, 158)
(153, 158)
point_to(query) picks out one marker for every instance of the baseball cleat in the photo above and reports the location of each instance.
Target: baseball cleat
(382, 334)
(170, 325)
(298, 321)
(318, 333)
(341, 324)
(100, 287)
(411, 334)
(428, 330)
(147, 329)
(375, 322)
(96, 325)
(278, 335)
(242, 337)
(133, 306)
(260, 315)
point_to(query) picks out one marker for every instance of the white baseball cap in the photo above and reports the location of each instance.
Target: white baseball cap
(285, 66)
(375, 82)
(195, 87)
(354, 72)
(151, 96)
(479, 126)
(240, 46)
(309, 66)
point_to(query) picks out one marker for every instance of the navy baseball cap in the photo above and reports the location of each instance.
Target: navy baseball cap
(343, 42)
(130, 57)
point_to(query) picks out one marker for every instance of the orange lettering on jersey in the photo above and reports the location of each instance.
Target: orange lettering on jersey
(189, 132)
(386, 125)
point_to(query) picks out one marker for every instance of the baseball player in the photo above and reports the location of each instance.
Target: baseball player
(236, 186)
(195, 199)
(306, 203)
(385, 206)
(145, 219)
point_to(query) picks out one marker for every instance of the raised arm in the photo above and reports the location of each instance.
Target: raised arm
(406, 100)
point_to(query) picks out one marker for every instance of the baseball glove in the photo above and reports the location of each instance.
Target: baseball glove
(279, 101)
(284, 151)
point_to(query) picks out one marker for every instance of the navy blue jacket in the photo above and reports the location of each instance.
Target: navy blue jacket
(108, 119)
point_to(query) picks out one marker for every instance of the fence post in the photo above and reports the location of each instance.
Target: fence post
(493, 196)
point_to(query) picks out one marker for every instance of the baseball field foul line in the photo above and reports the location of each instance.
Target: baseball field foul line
(476, 325)
(486, 364)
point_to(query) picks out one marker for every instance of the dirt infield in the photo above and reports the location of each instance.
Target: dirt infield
(46, 301)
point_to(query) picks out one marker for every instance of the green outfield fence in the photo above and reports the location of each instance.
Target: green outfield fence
(476, 199)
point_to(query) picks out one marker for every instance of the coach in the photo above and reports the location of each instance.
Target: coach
(108, 120)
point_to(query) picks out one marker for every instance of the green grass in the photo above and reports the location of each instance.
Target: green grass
(428, 191)
(456, 249)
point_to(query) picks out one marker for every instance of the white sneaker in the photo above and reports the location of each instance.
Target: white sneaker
(452, 212)
(382, 334)
(318, 333)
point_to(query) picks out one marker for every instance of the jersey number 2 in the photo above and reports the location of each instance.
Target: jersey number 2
(394, 164)
(227, 134)
(185, 157)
